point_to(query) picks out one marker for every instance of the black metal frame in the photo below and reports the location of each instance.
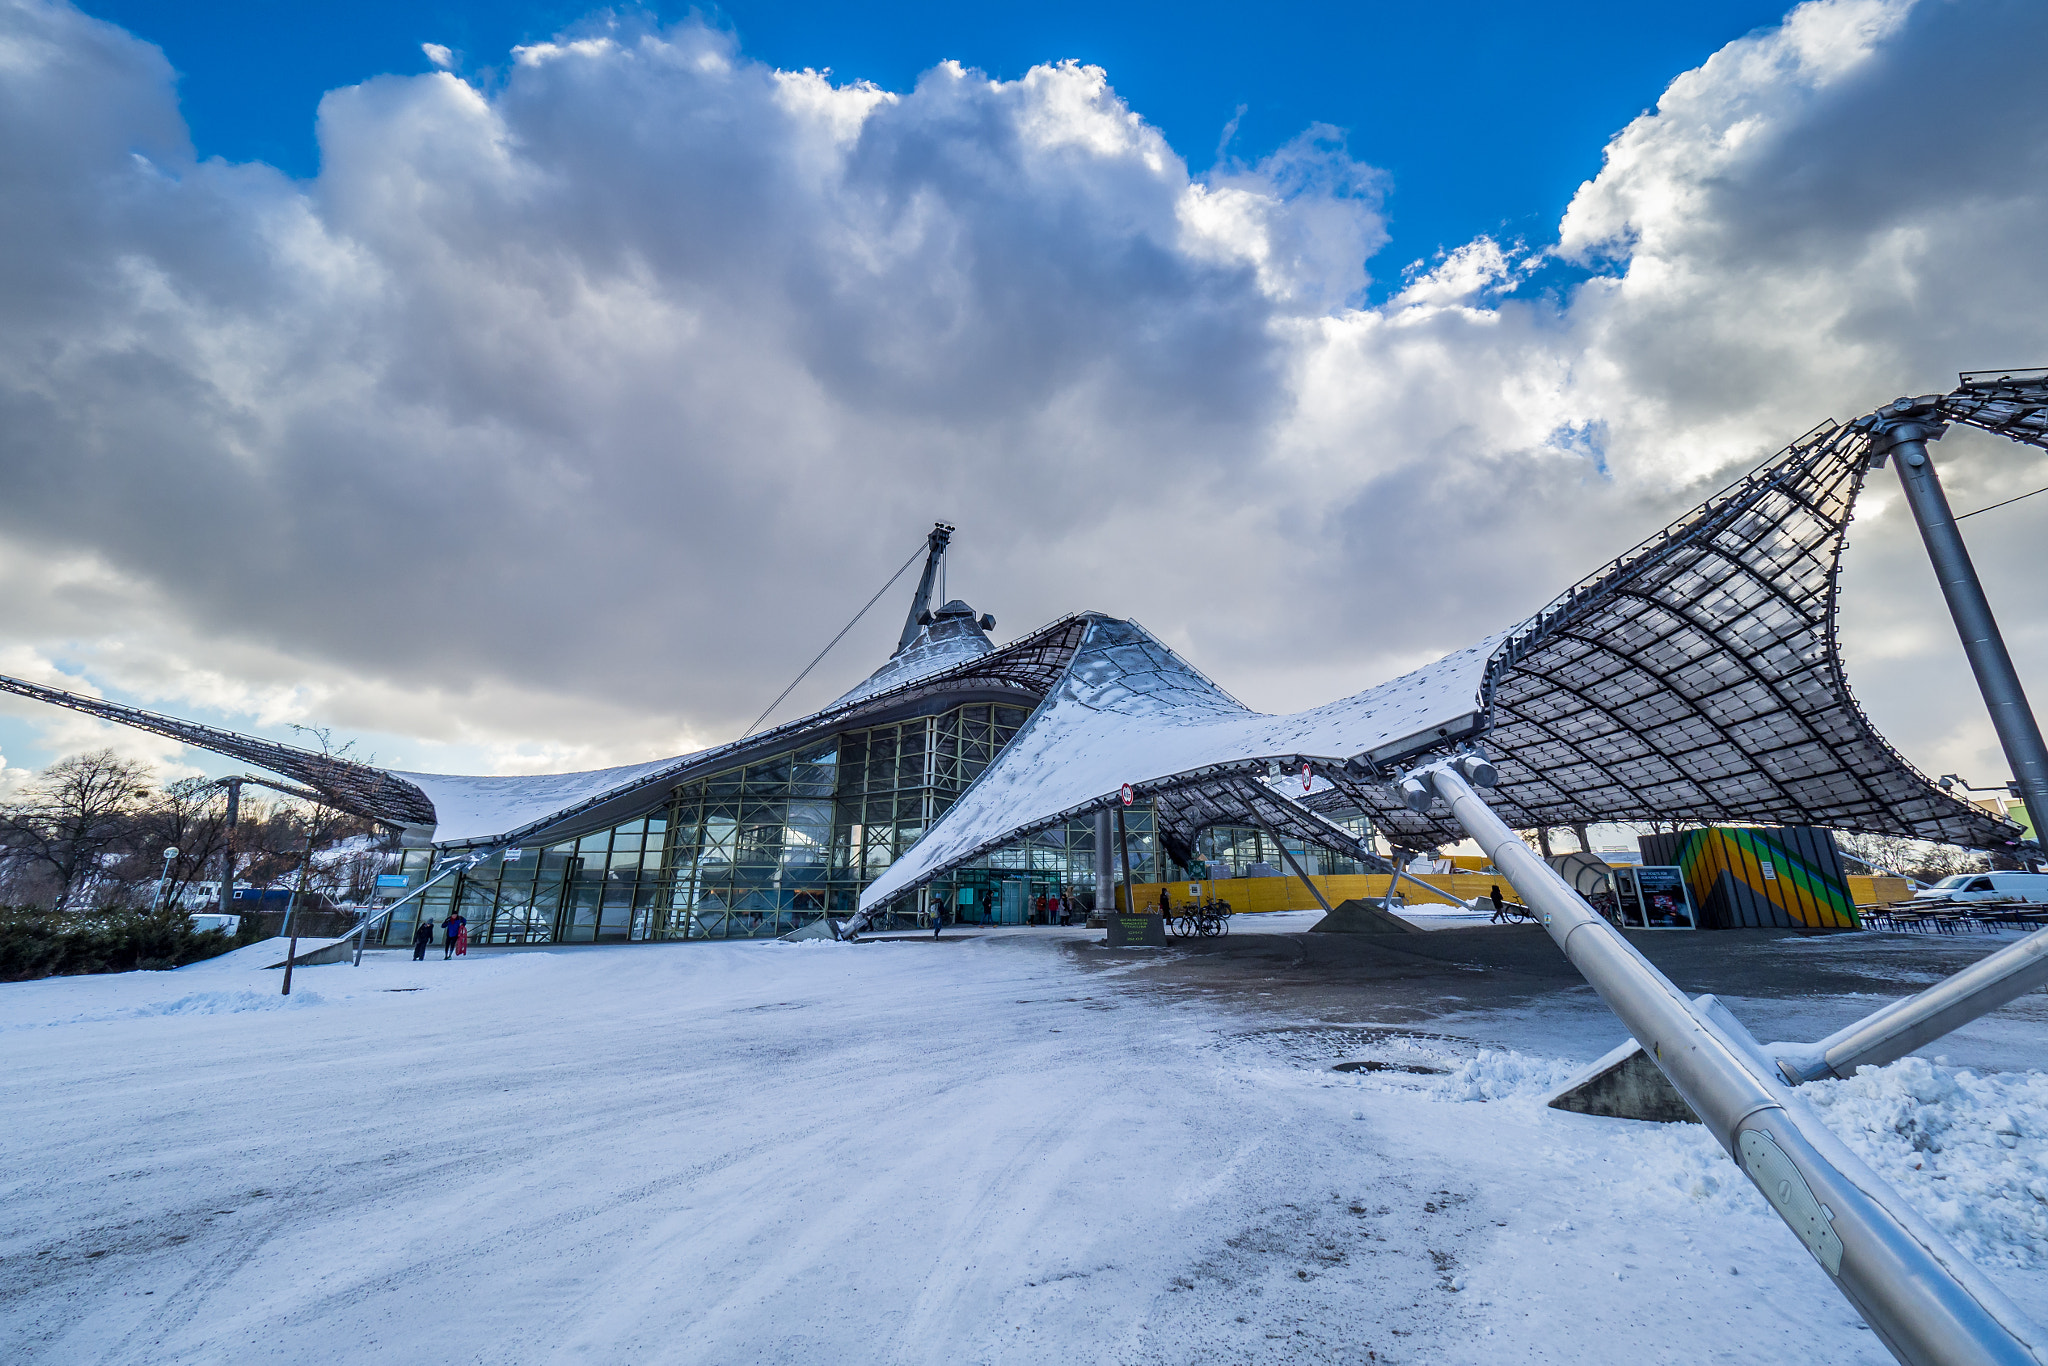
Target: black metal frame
(1698, 678)
(355, 788)
(2013, 403)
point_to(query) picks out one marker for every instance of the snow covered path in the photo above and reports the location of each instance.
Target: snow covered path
(991, 1150)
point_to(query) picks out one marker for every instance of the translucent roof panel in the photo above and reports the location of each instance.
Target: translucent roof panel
(1131, 711)
(953, 637)
(1699, 678)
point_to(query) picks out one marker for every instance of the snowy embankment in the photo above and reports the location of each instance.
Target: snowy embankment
(989, 1150)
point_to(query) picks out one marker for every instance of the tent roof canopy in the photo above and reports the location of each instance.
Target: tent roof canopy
(1697, 678)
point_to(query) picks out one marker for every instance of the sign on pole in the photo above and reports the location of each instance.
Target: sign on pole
(1128, 795)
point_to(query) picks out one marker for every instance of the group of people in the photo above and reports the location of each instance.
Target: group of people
(1051, 909)
(454, 937)
(1047, 908)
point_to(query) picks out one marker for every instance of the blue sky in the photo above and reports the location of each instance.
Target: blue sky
(1486, 115)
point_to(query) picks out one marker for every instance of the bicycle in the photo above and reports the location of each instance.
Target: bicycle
(1206, 920)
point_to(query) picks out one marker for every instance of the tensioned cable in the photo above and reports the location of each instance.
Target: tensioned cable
(834, 641)
(1995, 506)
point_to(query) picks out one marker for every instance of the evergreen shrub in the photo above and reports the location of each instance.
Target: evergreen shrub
(41, 943)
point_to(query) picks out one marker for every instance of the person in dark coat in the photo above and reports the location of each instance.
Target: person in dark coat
(1165, 903)
(1500, 910)
(451, 932)
(938, 917)
(422, 935)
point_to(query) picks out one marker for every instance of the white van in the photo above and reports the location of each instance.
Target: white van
(1993, 887)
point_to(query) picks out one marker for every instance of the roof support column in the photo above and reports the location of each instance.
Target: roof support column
(1904, 429)
(1123, 851)
(1105, 866)
(1292, 862)
(227, 853)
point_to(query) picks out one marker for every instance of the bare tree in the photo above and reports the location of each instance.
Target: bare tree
(1918, 859)
(189, 815)
(70, 815)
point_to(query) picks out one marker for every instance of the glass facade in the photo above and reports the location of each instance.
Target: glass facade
(1231, 850)
(763, 849)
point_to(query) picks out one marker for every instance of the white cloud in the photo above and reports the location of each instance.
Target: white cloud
(438, 55)
(561, 420)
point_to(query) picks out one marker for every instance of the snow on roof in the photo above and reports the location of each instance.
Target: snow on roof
(478, 809)
(474, 810)
(952, 637)
(1129, 710)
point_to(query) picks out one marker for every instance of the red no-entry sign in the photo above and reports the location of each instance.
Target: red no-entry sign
(1128, 795)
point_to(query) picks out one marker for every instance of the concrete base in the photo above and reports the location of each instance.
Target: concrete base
(824, 927)
(1363, 917)
(313, 952)
(1624, 1084)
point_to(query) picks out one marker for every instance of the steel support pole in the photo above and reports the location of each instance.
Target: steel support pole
(1920, 1296)
(227, 872)
(1123, 851)
(1105, 865)
(1288, 854)
(1891, 1033)
(2019, 734)
(1402, 860)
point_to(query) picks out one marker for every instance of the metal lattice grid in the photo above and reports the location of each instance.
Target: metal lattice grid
(2013, 403)
(355, 788)
(1698, 679)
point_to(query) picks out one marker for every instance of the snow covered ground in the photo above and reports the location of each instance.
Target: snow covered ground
(997, 1148)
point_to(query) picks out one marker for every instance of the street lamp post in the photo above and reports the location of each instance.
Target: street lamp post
(163, 880)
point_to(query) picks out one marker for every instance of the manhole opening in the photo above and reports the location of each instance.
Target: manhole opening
(1375, 1065)
(405, 988)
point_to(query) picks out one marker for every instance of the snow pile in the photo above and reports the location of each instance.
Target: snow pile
(1970, 1151)
(193, 1003)
(1503, 1074)
(227, 1003)
(1686, 1159)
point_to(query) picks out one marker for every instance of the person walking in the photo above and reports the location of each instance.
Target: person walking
(422, 935)
(461, 936)
(1165, 904)
(450, 929)
(938, 917)
(1500, 910)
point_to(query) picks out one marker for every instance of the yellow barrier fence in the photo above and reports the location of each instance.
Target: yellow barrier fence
(1257, 894)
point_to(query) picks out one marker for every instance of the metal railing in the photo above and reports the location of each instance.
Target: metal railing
(360, 932)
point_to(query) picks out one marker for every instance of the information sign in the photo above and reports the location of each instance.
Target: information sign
(1136, 929)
